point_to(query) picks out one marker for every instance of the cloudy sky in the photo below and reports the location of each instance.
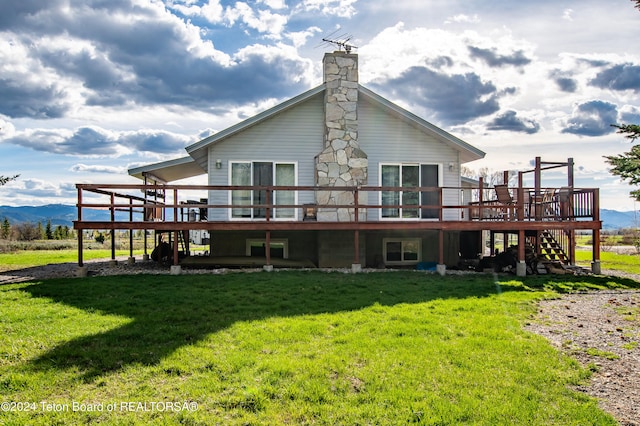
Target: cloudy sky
(90, 88)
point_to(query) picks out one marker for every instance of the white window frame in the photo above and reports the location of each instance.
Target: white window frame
(419, 165)
(402, 241)
(284, 241)
(274, 212)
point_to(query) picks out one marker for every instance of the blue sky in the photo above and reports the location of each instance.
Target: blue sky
(91, 88)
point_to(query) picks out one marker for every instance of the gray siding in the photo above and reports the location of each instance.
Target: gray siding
(295, 135)
(387, 139)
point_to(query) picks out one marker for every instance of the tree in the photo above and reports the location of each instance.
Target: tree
(27, 231)
(627, 165)
(5, 231)
(48, 232)
(7, 179)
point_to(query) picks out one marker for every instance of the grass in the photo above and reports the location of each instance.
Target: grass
(27, 259)
(629, 263)
(288, 347)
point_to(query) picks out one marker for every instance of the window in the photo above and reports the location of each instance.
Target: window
(257, 248)
(402, 251)
(409, 176)
(262, 174)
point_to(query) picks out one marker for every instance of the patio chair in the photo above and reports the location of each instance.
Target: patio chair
(565, 200)
(506, 203)
(550, 203)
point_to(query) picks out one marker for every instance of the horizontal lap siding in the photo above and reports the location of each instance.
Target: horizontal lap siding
(295, 135)
(387, 139)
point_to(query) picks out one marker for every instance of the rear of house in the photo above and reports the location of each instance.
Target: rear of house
(337, 135)
(339, 176)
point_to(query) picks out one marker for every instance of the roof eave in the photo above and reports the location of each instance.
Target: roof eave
(168, 171)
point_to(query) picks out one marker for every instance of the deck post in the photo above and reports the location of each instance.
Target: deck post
(113, 231)
(521, 266)
(356, 266)
(596, 268)
(82, 270)
(441, 268)
(131, 258)
(537, 188)
(175, 247)
(80, 260)
(267, 252)
(520, 197)
(595, 208)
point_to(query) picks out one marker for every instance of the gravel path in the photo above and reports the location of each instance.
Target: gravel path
(599, 329)
(602, 331)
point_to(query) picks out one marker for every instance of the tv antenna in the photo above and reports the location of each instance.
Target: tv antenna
(341, 41)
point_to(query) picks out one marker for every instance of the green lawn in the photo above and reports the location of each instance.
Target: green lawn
(620, 262)
(28, 258)
(287, 348)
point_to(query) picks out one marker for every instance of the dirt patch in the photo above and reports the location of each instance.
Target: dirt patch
(602, 331)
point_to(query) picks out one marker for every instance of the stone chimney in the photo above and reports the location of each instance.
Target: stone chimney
(342, 162)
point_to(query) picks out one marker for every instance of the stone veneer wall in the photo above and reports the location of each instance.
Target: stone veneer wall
(342, 162)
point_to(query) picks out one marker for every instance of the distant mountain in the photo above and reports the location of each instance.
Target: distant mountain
(58, 214)
(613, 219)
(62, 214)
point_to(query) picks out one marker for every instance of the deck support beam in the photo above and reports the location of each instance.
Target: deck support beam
(441, 268)
(521, 266)
(596, 268)
(267, 251)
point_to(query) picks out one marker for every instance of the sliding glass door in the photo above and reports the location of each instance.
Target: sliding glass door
(262, 173)
(400, 202)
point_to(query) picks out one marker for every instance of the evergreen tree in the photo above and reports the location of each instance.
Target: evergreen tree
(47, 231)
(7, 179)
(5, 232)
(627, 165)
(40, 232)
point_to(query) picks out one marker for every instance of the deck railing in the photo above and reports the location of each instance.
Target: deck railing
(182, 203)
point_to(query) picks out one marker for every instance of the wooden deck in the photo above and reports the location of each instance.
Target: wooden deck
(164, 208)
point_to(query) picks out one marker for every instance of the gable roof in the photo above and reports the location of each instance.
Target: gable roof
(467, 152)
(199, 150)
(197, 162)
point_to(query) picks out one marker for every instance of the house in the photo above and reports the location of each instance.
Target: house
(337, 176)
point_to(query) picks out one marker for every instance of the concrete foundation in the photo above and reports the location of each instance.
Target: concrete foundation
(521, 269)
(441, 269)
(175, 270)
(131, 260)
(267, 268)
(596, 268)
(356, 267)
(82, 271)
(145, 257)
(113, 262)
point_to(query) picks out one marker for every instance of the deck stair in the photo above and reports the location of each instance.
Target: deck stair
(551, 249)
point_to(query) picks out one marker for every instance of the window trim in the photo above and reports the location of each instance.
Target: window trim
(274, 213)
(283, 241)
(402, 241)
(401, 164)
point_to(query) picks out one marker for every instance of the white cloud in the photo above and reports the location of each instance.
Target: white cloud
(339, 8)
(567, 15)
(274, 4)
(84, 168)
(462, 18)
(299, 38)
